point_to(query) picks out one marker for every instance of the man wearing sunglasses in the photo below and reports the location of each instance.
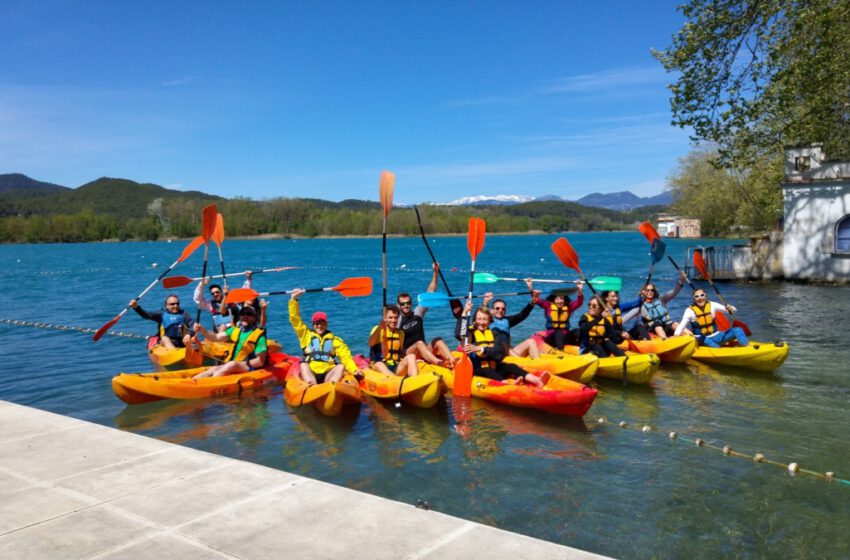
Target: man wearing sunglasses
(174, 325)
(411, 322)
(701, 315)
(249, 350)
(224, 316)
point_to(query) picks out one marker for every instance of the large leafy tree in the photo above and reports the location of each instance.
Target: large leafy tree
(755, 75)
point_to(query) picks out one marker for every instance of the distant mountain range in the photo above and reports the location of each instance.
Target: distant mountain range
(21, 195)
(622, 201)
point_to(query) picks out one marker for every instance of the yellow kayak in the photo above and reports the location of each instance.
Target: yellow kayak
(637, 369)
(577, 368)
(676, 349)
(760, 356)
(423, 390)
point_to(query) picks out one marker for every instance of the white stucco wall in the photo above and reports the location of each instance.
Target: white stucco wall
(812, 210)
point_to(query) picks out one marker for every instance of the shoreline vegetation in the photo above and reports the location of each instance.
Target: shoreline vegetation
(122, 210)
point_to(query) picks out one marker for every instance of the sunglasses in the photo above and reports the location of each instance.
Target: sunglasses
(499, 308)
(699, 296)
(172, 303)
(591, 305)
(405, 303)
(215, 293)
(320, 322)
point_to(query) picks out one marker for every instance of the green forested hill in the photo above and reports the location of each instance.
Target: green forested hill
(122, 209)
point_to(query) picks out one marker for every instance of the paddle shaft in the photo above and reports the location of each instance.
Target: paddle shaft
(676, 266)
(384, 260)
(430, 252)
(203, 275)
(223, 274)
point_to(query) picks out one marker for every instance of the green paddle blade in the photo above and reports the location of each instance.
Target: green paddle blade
(484, 278)
(607, 283)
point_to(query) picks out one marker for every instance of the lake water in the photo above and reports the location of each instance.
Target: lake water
(619, 492)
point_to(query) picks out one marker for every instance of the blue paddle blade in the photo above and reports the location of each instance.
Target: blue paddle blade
(433, 299)
(657, 250)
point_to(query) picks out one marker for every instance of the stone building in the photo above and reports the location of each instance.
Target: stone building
(676, 226)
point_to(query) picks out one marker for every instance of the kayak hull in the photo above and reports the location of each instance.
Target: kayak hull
(559, 396)
(328, 398)
(759, 356)
(675, 349)
(137, 388)
(576, 368)
(214, 352)
(636, 369)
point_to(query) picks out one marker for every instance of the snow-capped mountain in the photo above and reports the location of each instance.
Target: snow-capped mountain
(485, 200)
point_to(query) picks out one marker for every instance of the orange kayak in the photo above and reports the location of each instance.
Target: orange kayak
(136, 388)
(173, 358)
(328, 398)
(558, 396)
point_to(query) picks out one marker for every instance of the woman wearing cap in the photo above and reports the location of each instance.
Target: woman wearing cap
(326, 356)
(249, 349)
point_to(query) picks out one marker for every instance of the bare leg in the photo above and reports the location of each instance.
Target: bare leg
(408, 366)
(527, 347)
(443, 350)
(659, 330)
(381, 367)
(165, 342)
(335, 374)
(307, 375)
(422, 350)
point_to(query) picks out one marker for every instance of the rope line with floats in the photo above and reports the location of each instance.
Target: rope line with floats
(52, 326)
(791, 468)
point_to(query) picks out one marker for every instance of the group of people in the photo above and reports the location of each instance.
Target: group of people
(398, 343)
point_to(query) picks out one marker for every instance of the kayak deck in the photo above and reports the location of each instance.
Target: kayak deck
(760, 356)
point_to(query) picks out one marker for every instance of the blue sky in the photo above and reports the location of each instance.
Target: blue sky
(300, 98)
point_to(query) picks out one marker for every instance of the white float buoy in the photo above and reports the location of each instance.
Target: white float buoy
(154, 265)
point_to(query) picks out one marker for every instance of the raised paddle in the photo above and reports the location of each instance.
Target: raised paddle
(652, 236)
(210, 218)
(722, 322)
(350, 287)
(386, 186)
(475, 244)
(430, 252)
(190, 248)
(437, 299)
(170, 282)
(568, 256)
(218, 239)
(603, 283)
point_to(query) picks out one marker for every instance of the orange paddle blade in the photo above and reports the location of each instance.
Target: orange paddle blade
(171, 282)
(648, 231)
(209, 220)
(566, 254)
(386, 191)
(102, 330)
(194, 357)
(722, 321)
(354, 287)
(240, 295)
(190, 248)
(699, 262)
(475, 237)
(463, 377)
(218, 232)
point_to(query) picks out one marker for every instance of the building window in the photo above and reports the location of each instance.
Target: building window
(842, 235)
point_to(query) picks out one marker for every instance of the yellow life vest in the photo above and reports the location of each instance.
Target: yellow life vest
(596, 334)
(484, 338)
(704, 319)
(320, 348)
(616, 318)
(247, 347)
(558, 317)
(391, 345)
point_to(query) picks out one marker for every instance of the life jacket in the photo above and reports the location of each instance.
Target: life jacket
(392, 342)
(704, 322)
(616, 318)
(172, 325)
(596, 334)
(657, 314)
(320, 348)
(558, 318)
(486, 339)
(501, 325)
(218, 318)
(247, 346)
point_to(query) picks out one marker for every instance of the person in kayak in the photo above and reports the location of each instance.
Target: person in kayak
(503, 322)
(326, 356)
(612, 303)
(411, 322)
(596, 330)
(385, 346)
(225, 316)
(249, 350)
(174, 325)
(557, 308)
(700, 317)
(654, 317)
(487, 349)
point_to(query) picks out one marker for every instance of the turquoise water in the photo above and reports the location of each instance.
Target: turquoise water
(619, 492)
